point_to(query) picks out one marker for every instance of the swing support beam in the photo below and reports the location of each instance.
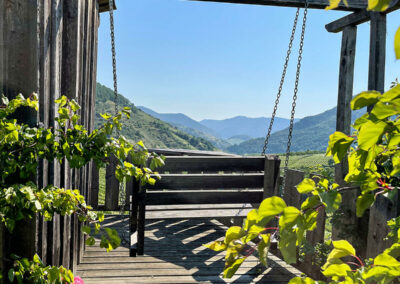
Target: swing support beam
(354, 5)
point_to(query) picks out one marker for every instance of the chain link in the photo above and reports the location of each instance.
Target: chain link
(122, 194)
(296, 88)
(285, 66)
(114, 60)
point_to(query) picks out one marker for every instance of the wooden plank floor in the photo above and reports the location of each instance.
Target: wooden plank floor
(174, 254)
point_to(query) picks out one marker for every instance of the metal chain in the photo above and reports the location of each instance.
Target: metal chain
(285, 66)
(122, 194)
(296, 88)
(114, 60)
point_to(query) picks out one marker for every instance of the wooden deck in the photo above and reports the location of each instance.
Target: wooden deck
(174, 254)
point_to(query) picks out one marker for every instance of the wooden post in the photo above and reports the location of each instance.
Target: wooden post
(19, 73)
(377, 53)
(133, 212)
(290, 194)
(112, 186)
(345, 93)
(383, 209)
(141, 221)
(343, 119)
(271, 175)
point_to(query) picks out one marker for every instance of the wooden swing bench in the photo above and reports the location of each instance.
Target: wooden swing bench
(202, 187)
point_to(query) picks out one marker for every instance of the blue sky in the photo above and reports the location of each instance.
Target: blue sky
(215, 60)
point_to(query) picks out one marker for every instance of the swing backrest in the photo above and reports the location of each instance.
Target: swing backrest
(213, 180)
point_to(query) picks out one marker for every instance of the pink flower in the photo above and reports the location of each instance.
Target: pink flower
(78, 280)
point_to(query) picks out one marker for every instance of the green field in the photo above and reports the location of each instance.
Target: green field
(300, 161)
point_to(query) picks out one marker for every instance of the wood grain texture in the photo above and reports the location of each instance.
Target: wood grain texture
(204, 197)
(271, 176)
(112, 186)
(212, 164)
(174, 254)
(208, 181)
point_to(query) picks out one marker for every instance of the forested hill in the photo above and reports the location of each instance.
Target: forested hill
(310, 133)
(152, 131)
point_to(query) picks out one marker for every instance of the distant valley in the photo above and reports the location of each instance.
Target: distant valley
(239, 135)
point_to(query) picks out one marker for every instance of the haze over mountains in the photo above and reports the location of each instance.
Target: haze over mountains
(233, 130)
(240, 135)
(244, 135)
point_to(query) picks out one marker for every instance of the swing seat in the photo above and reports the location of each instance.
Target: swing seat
(202, 187)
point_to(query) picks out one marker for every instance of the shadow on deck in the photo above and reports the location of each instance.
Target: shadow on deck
(174, 254)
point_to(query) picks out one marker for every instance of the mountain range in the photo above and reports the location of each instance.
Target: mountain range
(309, 133)
(154, 132)
(240, 135)
(222, 133)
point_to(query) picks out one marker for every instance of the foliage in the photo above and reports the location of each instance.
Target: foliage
(21, 148)
(36, 272)
(374, 165)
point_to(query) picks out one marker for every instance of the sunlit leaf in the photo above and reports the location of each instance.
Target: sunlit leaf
(306, 186)
(365, 99)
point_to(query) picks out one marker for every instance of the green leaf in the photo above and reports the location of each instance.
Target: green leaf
(11, 274)
(370, 133)
(397, 44)
(36, 259)
(338, 146)
(383, 110)
(331, 200)
(310, 202)
(86, 230)
(386, 260)
(287, 245)
(339, 270)
(306, 186)
(300, 280)
(90, 241)
(341, 248)
(333, 4)
(230, 271)
(54, 274)
(289, 216)
(364, 202)
(378, 5)
(233, 233)
(216, 246)
(251, 219)
(106, 116)
(271, 206)
(263, 247)
(365, 99)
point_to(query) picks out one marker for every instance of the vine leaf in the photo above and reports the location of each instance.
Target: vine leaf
(336, 270)
(306, 186)
(230, 271)
(216, 246)
(338, 145)
(364, 202)
(370, 133)
(378, 5)
(397, 44)
(365, 99)
(263, 248)
(341, 248)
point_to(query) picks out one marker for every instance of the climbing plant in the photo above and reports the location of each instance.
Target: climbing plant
(21, 148)
(374, 165)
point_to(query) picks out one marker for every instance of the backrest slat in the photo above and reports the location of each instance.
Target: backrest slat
(213, 164)
(209, 181)
(203, 197)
